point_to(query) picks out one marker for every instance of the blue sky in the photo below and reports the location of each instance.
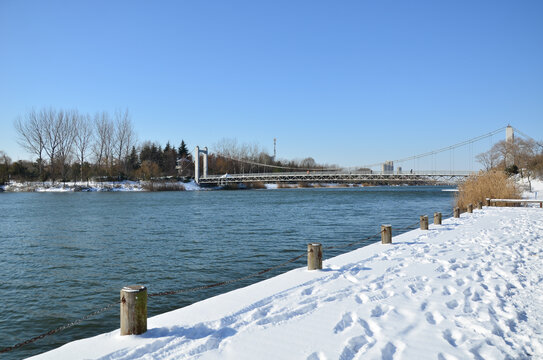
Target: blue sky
(348, 82)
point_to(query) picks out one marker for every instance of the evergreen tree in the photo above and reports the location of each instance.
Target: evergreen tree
(183, 152)
(133, 161)
(160, 158)
(146, 152)
(170, 160)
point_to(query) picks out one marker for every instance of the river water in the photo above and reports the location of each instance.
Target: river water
(65, 255)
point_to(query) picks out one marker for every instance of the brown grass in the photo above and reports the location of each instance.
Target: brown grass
(230, 186)
(491, 184)
(163, 186)
(256, 185)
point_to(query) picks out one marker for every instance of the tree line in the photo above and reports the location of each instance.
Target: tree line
(71, 146)
(68, 145)
(516, 156)
(233, 158)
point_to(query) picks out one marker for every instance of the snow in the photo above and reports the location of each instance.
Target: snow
(91, 186)
(537, 189)
(468, 289)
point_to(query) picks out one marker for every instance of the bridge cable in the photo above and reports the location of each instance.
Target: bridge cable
(528, 137)
(451, 147)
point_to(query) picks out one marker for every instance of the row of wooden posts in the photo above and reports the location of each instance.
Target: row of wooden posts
(134, 298)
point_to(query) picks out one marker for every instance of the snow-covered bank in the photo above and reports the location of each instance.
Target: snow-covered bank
(91, 186)
(469, 289)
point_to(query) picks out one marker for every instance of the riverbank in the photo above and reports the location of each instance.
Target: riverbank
(123, 186)
(470, 288)
(98, 186)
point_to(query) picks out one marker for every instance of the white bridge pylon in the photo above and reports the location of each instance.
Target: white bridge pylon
(197, 152)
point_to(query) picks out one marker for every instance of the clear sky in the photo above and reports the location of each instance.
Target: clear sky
(346, 82)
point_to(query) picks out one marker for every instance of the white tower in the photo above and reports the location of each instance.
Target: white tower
(509, 146)
(197, 153)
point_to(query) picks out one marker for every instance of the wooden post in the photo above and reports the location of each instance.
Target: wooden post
(386, 234)
(437, 218)
(314, 256)
(480, 205)
(470, 208)
(424, 222)
(133, 310)
(487, 201)
(456, 212)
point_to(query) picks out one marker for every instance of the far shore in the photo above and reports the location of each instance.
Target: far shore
(147, 186)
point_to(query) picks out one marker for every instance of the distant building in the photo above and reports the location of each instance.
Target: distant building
(388, 167)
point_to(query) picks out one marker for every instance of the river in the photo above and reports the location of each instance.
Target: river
(65, 255)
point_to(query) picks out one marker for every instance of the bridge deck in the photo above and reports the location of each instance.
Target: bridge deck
(337, 177)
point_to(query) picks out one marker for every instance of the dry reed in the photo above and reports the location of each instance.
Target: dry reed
(256, 185)
(163, 186)
(490, 184)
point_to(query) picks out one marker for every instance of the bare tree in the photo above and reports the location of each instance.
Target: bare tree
(103, 144)
(488, 159)
(59, 136)
(124, 137)
(308, 163)
(51, 122)
(32, 135)
(67, 141)
(82, 140)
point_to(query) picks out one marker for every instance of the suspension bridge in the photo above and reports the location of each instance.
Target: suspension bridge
(365, 174)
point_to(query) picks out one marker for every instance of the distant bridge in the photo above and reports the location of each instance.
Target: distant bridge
(369, 177)
(359, 175)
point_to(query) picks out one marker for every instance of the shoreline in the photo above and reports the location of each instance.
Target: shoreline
(446, 292)
(145, 186)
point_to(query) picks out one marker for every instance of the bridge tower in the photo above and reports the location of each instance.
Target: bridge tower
(509, 145)
(197, 153)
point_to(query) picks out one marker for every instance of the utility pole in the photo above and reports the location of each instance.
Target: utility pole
(274, 148)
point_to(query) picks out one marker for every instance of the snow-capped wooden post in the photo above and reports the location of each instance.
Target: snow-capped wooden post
(456, 212)
(470, 208)
(480, 205)
(437, 218)
(386, 234)
(424, 222)
(487, 201)
(133, 310)
(314, 256)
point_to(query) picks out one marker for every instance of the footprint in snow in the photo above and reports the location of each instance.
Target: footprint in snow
(316, 356)
(453, 337)
(453, 304)
(353, 347)
(378, 311)
(345, 322)
(388, 351)
(366, 327)
(430, 318)
(307, 291)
